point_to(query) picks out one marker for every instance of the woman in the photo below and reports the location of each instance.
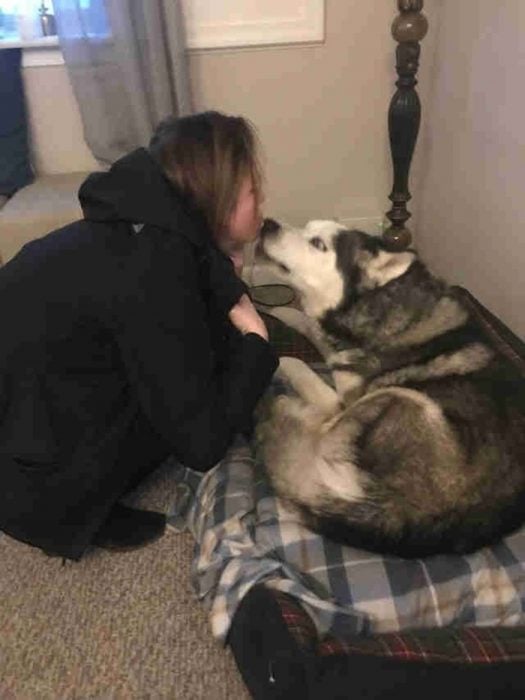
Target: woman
(127, 336)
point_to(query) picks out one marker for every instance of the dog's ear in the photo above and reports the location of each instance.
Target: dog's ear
(385, 266)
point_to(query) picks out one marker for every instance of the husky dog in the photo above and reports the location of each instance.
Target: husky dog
(420, 449)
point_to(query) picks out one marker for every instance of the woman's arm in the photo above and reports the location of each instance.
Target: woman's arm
(162, 329)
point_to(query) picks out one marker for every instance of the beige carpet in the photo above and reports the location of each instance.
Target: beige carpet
(112, 626)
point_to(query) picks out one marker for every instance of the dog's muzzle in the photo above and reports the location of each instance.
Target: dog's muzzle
(269, 227)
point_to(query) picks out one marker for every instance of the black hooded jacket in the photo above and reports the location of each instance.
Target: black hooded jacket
(116, 347)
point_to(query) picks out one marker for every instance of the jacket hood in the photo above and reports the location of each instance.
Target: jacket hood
(136, 190)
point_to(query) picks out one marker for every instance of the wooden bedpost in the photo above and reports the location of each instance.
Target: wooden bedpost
(404, 116)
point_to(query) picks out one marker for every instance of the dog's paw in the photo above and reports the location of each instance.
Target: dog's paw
(291, 370)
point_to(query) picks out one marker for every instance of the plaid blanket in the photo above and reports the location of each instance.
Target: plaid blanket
(244, 535)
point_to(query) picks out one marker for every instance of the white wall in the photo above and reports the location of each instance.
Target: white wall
(471, 202)
(57, 138)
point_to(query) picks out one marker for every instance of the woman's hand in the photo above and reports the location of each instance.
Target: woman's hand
(245, 318)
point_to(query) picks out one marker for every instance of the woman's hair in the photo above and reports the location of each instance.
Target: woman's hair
(207, 156)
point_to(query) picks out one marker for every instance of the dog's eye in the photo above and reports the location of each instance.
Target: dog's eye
(318, 243)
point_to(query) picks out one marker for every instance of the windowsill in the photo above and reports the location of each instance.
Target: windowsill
(44, 51)
(43, 42)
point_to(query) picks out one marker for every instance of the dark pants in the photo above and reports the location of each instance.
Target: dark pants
(144, 451)
(61, 509)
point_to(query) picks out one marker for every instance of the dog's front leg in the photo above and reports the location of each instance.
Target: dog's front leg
(307, 384)
(351, 369)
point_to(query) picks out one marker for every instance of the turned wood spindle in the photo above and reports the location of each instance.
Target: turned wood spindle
(404, 116)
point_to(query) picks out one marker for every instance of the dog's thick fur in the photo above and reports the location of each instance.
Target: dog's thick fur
(421, 448)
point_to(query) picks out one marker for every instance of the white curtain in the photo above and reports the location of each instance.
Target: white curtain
(127, 64)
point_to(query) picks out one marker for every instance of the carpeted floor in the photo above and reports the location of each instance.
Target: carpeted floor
(112, 626)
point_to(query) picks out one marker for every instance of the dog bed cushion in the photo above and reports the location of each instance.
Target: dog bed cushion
(246, 536)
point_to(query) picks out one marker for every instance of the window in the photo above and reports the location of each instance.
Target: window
(8, 21)
(84, 18)
(23, 21)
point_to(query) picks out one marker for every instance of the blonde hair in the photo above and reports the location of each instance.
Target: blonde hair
(207, 156)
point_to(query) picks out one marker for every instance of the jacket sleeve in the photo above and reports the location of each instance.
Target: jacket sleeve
(163, 332)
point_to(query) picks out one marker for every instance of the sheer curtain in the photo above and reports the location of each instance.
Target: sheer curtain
(127, 64)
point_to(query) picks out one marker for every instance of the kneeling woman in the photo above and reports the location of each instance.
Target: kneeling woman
(128, 336)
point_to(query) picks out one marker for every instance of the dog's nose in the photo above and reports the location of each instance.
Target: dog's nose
(269, 226)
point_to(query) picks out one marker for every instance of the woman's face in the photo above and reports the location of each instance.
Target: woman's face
(246, 219)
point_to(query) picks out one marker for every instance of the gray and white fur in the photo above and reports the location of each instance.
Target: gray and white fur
(420, 449)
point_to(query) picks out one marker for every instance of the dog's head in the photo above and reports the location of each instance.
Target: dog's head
(328, 264)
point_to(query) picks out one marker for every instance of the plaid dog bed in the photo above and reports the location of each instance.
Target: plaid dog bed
(460, 645)
(308, 618)
(245, 536)
(280, 656)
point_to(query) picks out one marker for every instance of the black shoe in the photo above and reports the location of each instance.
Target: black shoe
(128, 528)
